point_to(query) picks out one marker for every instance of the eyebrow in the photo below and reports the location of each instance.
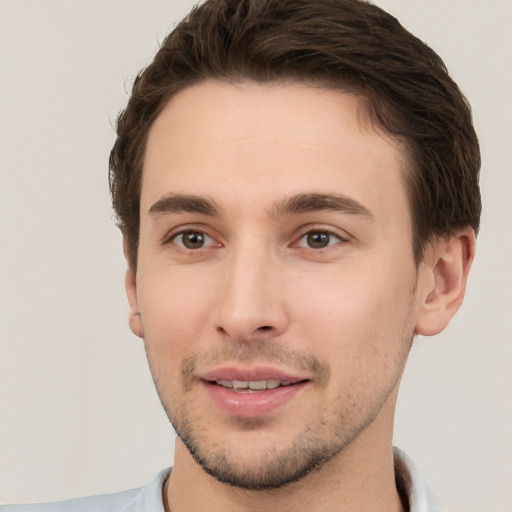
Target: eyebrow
(304, 203)
(177, 203)
(297, 204)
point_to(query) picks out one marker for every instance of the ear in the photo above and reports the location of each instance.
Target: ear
(442, 279)
(130, 282)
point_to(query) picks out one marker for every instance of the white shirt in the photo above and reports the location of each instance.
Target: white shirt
(150, 497)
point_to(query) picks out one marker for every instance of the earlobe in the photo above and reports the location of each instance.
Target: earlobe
(442, 280)
(130, 282)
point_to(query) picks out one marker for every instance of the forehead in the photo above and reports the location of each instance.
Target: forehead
(231, 140)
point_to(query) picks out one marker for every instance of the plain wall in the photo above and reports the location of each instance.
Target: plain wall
(78, 413)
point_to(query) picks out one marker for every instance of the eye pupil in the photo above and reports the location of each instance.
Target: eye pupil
(317, 240)
(193, 239)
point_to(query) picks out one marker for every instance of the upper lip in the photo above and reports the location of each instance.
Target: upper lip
(257, 373)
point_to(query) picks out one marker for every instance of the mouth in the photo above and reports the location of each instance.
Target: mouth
(253, 386)
(254, 393)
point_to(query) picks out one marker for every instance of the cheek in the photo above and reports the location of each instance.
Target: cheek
(358, 316)
(174, 311)
(174, 314)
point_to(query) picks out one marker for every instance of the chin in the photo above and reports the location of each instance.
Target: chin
(272, 463)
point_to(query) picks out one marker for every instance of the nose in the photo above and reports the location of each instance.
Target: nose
(251, 304)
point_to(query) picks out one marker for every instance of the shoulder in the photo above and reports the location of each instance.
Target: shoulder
(145, 499)
(118, 502)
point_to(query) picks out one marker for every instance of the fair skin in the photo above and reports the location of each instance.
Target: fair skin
(276, 250)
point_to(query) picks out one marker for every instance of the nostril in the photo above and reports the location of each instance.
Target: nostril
(264, 328)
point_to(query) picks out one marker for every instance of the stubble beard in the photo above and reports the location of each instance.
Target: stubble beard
(323, 438)
(275, 468)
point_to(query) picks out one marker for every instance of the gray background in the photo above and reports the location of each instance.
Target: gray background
(78, 414)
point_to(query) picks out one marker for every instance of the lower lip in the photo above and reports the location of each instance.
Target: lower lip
(252, 404)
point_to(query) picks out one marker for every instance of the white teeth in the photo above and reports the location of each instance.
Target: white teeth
(272, 384)
(255, 385)
(258, 384)
(240, 384)
(225, 383)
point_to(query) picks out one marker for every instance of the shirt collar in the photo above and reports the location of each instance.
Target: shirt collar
(410, 484)
(412, 488)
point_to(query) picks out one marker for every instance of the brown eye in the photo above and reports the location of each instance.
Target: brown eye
(192, 239)
(318, 239)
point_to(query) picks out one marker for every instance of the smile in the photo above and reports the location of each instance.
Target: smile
(252, 385)
(253, 398)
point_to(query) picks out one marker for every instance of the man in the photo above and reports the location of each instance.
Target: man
(297, 186)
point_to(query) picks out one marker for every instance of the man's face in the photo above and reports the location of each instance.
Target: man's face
(276, 283)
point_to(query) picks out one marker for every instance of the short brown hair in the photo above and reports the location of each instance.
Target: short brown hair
(347, 45)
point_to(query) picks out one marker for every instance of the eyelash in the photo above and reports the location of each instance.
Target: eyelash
(173, 239)
(328, 233)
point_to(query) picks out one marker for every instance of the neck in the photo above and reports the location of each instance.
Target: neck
(359, 478)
